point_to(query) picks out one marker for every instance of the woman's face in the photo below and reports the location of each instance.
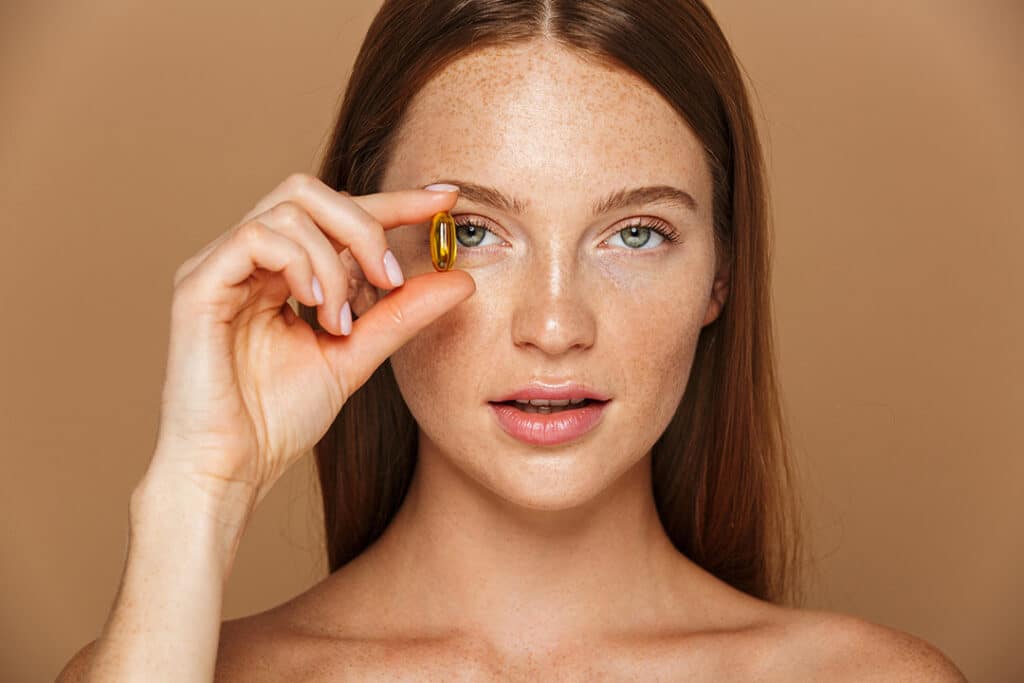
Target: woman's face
(563, 293)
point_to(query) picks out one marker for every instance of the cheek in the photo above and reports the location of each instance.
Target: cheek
(652, 320)
(654, 300)
(656, 359)
(442, 365)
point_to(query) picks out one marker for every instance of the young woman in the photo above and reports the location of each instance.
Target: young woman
(602, 164)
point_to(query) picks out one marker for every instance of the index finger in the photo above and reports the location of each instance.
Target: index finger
(403, 207)
(391, 209)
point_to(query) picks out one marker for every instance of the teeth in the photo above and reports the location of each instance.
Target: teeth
(547, 402)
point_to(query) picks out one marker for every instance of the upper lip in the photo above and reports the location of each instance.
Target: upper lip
(552, 391)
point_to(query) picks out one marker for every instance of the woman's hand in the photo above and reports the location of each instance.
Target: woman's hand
(249, 385)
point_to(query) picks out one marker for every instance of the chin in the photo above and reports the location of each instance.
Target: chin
(549, 481)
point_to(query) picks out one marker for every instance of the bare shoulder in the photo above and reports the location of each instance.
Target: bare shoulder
(262, 647)
(74, 671)
(255, 648)
(840, 647)
(282, 645)
(301, 639)
(306, 638)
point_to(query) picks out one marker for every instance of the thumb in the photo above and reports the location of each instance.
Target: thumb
(395, 319)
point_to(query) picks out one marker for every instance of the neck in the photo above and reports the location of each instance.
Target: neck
(458, 556)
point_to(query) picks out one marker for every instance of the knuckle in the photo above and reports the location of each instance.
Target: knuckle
(289, 214)
(298, 257)
(300, 182)
(372, 227)
(250, 232)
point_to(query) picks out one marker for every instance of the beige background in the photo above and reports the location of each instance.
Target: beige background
(132, 133)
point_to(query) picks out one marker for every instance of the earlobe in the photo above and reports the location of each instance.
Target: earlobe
(361, 294)
(719, 293)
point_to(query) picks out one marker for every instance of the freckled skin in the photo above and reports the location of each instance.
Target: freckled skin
(558, 293)
(507, 557)
(524, 551)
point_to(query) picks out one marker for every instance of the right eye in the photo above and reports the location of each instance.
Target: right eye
(470, 232)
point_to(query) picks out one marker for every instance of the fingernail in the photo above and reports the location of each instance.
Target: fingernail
(318, 292)
(392, 269)
(442, 187)
(346, 319)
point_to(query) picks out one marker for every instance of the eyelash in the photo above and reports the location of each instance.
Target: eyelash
(663, 229)
(667, 231)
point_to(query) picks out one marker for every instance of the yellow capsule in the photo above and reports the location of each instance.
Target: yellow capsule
(442, 241)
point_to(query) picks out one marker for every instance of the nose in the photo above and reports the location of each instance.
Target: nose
(553, 312)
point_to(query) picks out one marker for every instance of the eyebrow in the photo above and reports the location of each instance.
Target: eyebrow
(620, 199)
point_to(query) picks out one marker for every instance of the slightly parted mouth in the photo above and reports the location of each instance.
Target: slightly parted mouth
(563, 391)
(578, 404)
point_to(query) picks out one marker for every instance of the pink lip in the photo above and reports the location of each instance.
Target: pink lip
(548, 430)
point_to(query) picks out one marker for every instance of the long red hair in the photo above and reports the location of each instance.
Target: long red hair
(722, 472)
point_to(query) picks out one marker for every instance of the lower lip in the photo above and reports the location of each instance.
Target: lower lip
(539, 429)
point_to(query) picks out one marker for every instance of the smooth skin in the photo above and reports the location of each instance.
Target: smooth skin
(505, 562)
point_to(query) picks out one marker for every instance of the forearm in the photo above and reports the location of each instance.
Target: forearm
(165, 622)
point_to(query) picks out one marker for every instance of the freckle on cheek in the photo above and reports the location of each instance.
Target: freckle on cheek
(622, 280)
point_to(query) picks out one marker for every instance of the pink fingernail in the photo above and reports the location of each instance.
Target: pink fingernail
(318, 291)
(442, 187)
(346, 319)
(393, 270)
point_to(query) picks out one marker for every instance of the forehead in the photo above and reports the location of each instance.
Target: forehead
(536, 114)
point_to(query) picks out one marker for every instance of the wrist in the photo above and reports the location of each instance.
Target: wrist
(180, 517)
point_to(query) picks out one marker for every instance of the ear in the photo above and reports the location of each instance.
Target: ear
(361, 294)
(719, 293)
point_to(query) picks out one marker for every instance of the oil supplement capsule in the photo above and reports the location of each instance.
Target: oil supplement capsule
(442, 241)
